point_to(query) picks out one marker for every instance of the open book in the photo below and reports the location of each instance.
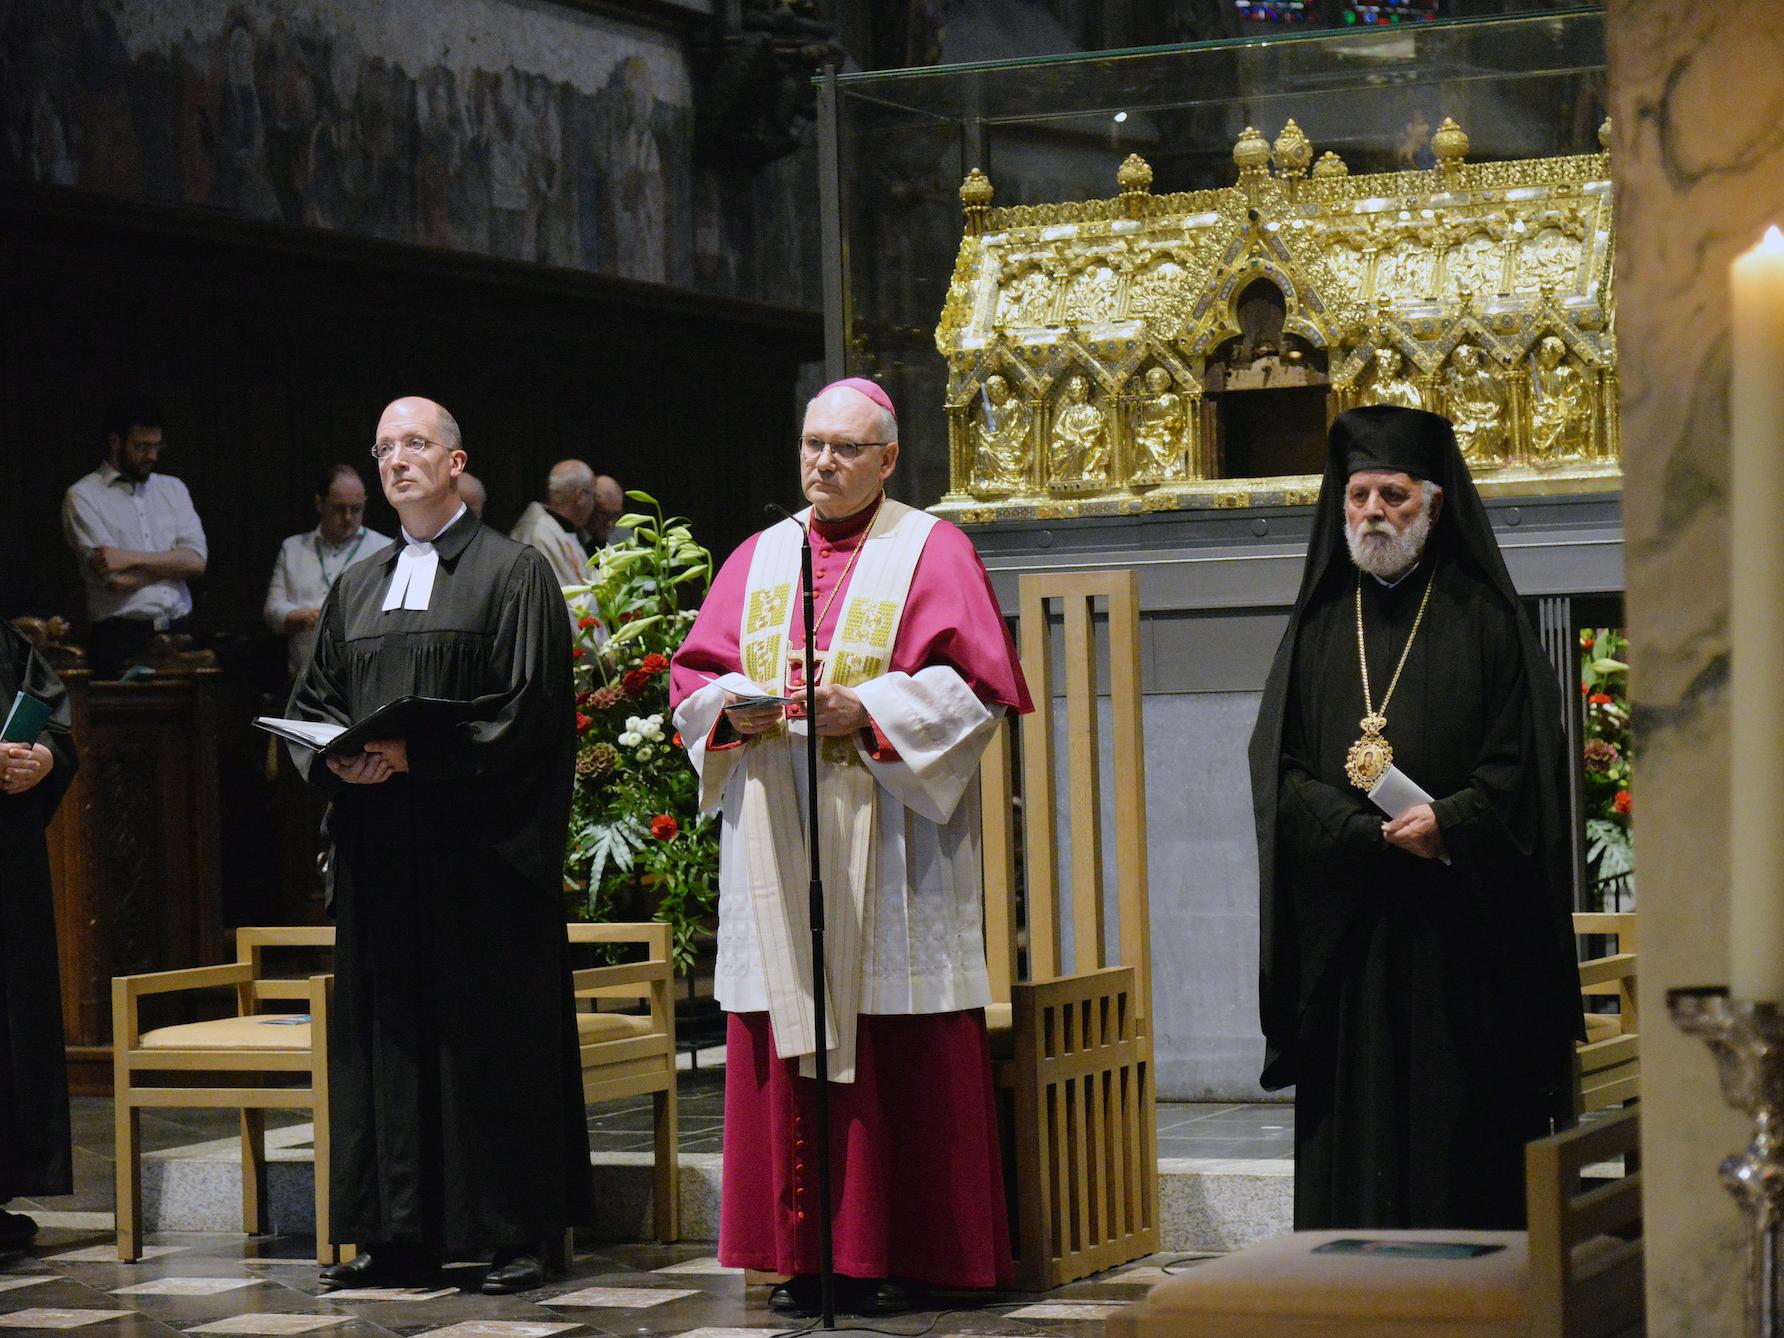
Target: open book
(404, 718)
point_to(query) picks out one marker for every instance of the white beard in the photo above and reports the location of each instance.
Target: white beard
(1376, 548)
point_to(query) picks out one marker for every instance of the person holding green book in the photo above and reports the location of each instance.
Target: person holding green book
(37, 762)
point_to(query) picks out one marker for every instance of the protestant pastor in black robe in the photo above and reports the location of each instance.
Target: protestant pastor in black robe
(455, 1088)
(34, 1147)
(1423, 1011)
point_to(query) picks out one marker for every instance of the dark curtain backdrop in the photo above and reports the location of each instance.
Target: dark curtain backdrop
(273, 350)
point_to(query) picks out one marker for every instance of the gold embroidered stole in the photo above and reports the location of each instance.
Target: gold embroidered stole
(771, 818)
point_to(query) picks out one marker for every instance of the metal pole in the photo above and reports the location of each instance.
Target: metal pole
(830, 228)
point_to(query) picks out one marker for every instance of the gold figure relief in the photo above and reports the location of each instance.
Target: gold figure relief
(1090, 298)
(1549, 259)
(1560, 406)
(1026, 302)
(1078, 447)
(1404, 272)
(1162, 293)
(1346, 263)
(1389, 384)
(1161, 420)
(870, 621)
(1474, 265)
(1474, 401)
(766, 609)
(1002, 433)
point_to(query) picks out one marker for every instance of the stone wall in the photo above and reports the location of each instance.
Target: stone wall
(512, 128)
(1697, 93)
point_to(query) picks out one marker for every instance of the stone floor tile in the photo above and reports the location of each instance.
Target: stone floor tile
(501, 1328)
(1068, 1310)
(618, 1298)
(44, 1317)
(178, 1286)
(271, 1324)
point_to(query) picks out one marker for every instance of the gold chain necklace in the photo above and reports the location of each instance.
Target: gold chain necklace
(1370, 756)
(848, 567)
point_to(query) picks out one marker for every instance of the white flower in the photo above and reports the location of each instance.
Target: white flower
(629, 740)
(651, 729)
(655, 719)
(634, 724)
(644, 753)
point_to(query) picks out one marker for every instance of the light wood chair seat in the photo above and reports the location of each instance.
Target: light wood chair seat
(591, 1027)
(1607, 1064)
(1576, 1273)
(268, 1031)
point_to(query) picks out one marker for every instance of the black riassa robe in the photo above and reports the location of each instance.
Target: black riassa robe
(34, 1144)
(455, 1089)
(1430, 1046)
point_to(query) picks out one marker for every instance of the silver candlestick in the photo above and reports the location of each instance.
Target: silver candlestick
(1747, 1040)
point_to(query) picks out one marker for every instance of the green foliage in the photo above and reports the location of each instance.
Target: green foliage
(635, 817)
(1609, 753)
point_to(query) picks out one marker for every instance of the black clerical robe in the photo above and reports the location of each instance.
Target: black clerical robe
(34, 1151)
(1430, 1045)
(455, 1093)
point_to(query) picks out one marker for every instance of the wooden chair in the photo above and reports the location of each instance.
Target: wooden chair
(1072, 1053)
(258, 1060)
(1607, 1064)
(1576, 1273)
(627, 1054)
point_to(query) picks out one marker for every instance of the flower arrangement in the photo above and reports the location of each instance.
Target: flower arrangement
(635, 808)
(1609, 755)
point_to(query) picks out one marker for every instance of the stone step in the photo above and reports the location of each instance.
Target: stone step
(1205, 1203)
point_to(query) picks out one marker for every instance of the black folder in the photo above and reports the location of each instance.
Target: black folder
(404, 718)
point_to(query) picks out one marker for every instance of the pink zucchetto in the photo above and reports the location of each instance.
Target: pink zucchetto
(862, 386)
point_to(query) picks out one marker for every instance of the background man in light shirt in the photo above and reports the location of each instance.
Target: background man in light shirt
(558, 526)
(309, 563)
(137, 537)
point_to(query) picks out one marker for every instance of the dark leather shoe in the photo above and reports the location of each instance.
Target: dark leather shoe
(16, 1229)
(513, 1272)
(882, 1297)
(799, 1298)
(388, 1267)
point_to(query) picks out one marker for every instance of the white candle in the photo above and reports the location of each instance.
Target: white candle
(1756, 608)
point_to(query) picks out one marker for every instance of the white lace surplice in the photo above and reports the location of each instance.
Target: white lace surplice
(927, 950)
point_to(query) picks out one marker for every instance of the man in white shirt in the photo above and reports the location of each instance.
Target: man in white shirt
(558, 526)
(309, 563)
(137, 537)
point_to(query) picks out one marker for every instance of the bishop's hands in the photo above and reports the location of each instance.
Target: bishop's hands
(22, 765)
(1416, 832)
(839, 713)
(382, 759)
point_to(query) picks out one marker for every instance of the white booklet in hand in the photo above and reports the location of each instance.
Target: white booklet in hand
(1396, 792)
(313, 734)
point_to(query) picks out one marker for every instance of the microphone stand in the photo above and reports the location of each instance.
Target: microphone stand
(826, 1265)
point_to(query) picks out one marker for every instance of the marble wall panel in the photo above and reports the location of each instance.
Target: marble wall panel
(1696, 93)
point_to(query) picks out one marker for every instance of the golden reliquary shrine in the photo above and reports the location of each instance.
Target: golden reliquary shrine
(1164, 352)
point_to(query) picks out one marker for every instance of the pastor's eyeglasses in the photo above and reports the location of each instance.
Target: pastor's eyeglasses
(408, 446)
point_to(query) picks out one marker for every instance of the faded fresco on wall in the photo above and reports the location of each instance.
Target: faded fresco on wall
(509, 128)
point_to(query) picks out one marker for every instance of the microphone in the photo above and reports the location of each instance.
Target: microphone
(776, 509)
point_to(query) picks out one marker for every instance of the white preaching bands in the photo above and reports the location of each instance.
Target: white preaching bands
(412, 584)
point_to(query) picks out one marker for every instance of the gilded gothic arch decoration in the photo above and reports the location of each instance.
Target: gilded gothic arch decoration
(1109, 356)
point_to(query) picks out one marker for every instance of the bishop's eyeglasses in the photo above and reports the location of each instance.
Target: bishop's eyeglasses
(845, 451)
(408, 446)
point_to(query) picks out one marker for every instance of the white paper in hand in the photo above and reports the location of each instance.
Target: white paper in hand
(313, 734)
(1396, 792)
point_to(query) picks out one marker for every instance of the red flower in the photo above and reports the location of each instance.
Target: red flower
(663, 827)
(654, 663)
(1623, 803)
(576, 652)
(635, 682)
(1599, 699)
(1585, 689)
(1586, 640)
(584, 697)
(586, 622)
(583, 721)
(676, 739)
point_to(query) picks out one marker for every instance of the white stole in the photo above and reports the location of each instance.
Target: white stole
(771, 816)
